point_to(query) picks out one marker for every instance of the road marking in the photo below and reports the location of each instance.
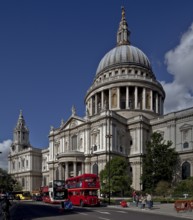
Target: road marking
(82, 213)
(107, 213)
(121, 211)
(104, 218)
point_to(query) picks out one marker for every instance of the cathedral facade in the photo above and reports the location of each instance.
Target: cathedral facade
(124, 106)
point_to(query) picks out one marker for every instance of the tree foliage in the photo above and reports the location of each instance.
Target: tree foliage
(160, 163)
(7, 183)
(184, 187)
(118, 177)
(163, 188)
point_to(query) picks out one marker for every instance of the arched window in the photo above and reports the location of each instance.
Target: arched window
(95, 169)
(114, 98)
(185, 145)
(185, 170)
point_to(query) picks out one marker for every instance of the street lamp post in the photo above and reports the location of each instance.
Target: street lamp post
(109, 170)
(108, 136)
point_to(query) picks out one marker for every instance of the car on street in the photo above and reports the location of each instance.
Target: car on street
(36, 198)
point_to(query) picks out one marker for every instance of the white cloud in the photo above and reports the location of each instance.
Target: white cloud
(179, 61)
(5, 149)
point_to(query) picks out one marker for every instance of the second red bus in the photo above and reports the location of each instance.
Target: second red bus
(83, 190)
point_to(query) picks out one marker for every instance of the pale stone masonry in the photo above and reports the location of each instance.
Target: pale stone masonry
(124, 105)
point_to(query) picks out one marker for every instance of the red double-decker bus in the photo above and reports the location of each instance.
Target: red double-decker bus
(83, 190)
(55, 192)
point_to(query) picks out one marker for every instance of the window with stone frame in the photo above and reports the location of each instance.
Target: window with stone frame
(81, 143)
(186, 136)
(120, 141)
(185, 145)
(95, 138)
(57, 147)
(114, 98)
(74, 142)
(185, 170)
(13, 165)
(66, 146)
(44, 163)
(23, 163)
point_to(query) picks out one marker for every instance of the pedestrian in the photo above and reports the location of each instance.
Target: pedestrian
(5, 205)
(133, 196)
(137, 199)
(149, 201)
(143, 201)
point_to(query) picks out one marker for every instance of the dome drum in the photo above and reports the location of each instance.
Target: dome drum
(130, 97)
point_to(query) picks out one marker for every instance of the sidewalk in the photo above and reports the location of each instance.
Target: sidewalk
(160, 209)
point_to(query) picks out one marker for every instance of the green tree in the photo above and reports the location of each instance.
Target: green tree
(17, 186)
(163, 188)
(160, 163)
(184, 187)
(7, 183)
(119, 177)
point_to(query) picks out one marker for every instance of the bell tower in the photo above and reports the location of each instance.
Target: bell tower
(21, 135)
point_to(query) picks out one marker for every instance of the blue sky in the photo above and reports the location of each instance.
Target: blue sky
(50, 50)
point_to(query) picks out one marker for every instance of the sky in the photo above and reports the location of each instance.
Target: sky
(50, 51)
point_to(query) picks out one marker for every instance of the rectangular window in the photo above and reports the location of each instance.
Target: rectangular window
(23, 163)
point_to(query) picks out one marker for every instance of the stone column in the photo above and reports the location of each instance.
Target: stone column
(109, 98)
(75, 168)
(118, 98)
(136, 97)
(96, 100)
(60, 170)
(83, 167)
(160, 105)
(127, 97)
(102, 100)
(63, 144)
(144, 99)
(91, 110)
(66, 170)
(156, 103)
(151, 100)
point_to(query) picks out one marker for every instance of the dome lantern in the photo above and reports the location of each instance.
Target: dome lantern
(123, 33)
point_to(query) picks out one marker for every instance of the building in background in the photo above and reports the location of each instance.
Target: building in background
(25, 161)
(124, 105)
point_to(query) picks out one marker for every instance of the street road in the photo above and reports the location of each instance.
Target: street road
(38, 210)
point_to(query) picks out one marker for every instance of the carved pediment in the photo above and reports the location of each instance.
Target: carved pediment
(72, 123)
(186, 127)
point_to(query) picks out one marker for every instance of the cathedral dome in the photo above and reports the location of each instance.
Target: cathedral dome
(123, 54)
(125, 82)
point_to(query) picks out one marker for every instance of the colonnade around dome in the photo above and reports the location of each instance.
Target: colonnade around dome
(125, 98)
